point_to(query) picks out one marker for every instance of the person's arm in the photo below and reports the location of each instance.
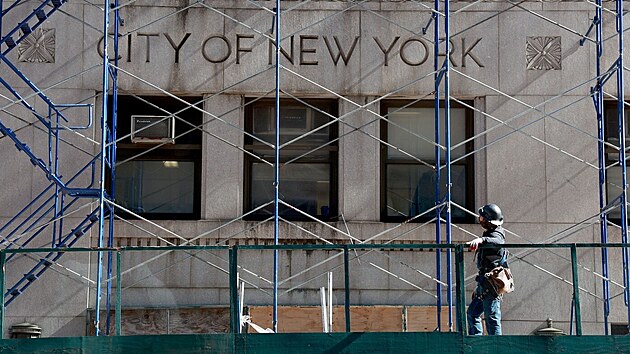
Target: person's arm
(494, 237)
(473, 244)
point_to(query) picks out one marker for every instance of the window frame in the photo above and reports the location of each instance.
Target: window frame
(608, 151)
(189, 151)
(467, 162)
(250, 144)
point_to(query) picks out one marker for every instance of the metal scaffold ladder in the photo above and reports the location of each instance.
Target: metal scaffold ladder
(49, 208)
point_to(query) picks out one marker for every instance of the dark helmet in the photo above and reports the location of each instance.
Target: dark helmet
(492, 213)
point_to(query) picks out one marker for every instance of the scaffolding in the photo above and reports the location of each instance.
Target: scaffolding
(92, 186)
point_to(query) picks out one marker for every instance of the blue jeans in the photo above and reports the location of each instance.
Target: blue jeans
(484, 302)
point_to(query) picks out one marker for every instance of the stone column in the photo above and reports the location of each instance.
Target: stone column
(359, 159)
(222, 173)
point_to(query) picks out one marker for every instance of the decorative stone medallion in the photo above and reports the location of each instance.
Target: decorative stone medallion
(544, 53)
(38, 47)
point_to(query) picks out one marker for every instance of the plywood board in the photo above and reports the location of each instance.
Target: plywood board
(196, 320)
(375, 319)
(424, 318)
(304, 319)
(200, 320)
(291, 319)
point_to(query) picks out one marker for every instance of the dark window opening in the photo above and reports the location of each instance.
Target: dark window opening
(619, 329)
(158, 172)
(613, 169)
(308, 163)
(407, 175)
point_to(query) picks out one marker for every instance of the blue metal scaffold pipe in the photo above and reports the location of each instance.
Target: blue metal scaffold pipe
(447, 162)
(53, 166)
(276, 181)
(438, 201)
(103, 160)
(112, 162)
(622, 152)
(601, 157)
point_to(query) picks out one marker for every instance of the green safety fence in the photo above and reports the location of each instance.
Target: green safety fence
(231, 342)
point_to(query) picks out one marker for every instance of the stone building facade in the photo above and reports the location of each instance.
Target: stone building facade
(359, 76)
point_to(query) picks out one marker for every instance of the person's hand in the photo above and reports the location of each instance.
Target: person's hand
(472, 245)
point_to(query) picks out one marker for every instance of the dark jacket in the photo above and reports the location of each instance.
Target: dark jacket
(491, 257)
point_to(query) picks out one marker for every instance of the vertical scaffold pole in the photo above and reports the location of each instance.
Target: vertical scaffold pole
(447, 162)
(235, 321)
(460, 295)
(438, 200)
(53, 165)
(622, 152)
(346, 278)
(118, 294)
(101, 205)
(3, 258)
(112, 159)
(276, 180)
(601, 157)
(576, 291)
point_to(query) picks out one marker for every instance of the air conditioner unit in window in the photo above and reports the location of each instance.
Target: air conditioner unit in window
(152, 129)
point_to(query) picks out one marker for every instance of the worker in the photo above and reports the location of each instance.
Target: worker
(485, 299)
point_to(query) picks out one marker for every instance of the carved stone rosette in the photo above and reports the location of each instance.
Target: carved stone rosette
(38, 47)
(544, 53)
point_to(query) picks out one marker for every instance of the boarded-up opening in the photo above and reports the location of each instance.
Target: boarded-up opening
(300, 319)
(291, 319)
(195, 320)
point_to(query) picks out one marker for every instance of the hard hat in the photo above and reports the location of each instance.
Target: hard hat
(492, 213)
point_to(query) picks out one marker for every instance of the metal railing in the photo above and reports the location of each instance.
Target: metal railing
(233, 252)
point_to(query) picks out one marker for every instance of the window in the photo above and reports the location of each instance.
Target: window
(407, 175)
(619, 329)
(613, 173)
(308, 163)
(158, 161)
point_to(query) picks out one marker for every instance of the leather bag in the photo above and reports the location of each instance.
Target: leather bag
(501, 280)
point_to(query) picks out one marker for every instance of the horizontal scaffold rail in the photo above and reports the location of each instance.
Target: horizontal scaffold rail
(233, 251)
